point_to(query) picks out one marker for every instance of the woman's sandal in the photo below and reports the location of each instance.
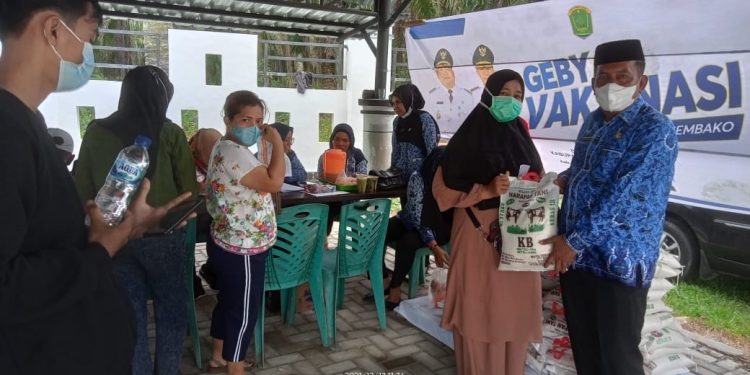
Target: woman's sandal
(369, 297)
(215, 367)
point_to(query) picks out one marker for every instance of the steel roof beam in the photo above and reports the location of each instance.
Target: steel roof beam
(324, 8)
(228, 13)
(220, 24)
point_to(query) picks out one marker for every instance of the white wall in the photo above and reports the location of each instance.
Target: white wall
(187, 50)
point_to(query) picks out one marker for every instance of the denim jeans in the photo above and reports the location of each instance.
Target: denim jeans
(154, 267)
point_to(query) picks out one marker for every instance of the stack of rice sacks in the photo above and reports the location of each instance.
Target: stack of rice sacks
(553, 355)
(664, 345)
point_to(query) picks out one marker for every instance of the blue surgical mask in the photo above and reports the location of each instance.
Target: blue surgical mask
(246, 136)
(71, 75)
(503, 108)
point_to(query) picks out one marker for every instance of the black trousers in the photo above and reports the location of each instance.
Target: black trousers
(407, 243)
(241, 283)
(605, 319)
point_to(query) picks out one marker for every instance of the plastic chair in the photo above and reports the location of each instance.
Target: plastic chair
(362, 233)
(295, 259)
(190, 230)
(416, 273)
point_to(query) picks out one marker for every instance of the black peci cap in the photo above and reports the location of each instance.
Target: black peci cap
(617, 51)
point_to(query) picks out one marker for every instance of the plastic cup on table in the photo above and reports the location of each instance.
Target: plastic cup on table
(361, 183)
(372, 184)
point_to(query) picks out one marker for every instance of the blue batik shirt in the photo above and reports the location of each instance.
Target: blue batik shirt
(407, 156)
(618, 184)
(299, 174)
(411, 214)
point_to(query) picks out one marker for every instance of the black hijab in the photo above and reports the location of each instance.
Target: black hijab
(283, 129)
(483, 148)
(352, 151)
(144, 97)
(409, 128)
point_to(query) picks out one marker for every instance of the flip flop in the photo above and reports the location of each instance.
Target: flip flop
(215, 367)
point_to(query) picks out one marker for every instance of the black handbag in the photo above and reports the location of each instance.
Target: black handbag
(390, 178)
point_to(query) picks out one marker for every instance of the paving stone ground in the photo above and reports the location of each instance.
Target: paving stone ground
(362, 347)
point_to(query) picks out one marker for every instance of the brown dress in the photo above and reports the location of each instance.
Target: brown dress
(494, 315)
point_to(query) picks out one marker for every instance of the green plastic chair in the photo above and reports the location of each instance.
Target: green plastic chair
(295, 259)
(416, 273)
(362, 231)
(190, 230)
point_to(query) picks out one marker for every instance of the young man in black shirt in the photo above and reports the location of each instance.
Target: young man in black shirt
(60, 310)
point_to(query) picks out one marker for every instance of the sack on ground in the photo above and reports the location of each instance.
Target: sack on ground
(664, 271)
(550, 280)
(666, 365)
(657, 321)
(665, 338)
(669, 260)
(527, 215)
(657, 306)
(438, 287)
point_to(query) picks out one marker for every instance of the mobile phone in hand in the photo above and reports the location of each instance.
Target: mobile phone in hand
(177, 215)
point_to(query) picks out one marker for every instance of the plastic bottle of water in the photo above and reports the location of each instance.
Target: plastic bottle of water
(123, 180)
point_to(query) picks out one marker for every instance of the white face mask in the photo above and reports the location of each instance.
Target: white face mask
(615, 98)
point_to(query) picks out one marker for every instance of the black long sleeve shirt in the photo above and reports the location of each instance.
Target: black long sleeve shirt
(60, 309)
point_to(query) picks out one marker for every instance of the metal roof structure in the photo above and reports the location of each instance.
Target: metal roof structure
(330, 18)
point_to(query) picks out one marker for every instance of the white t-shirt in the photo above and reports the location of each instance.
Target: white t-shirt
(244, 218)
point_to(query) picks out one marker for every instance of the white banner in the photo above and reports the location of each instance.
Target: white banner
(697, 60)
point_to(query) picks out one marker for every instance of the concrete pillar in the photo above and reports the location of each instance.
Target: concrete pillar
(376, 131)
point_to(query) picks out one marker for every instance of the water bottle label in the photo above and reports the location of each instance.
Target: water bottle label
(128, 172)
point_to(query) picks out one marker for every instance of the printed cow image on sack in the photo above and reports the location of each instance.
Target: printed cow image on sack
(528, 214)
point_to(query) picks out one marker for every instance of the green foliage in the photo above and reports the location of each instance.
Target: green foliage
(722, 303)
(190, 122)
(116, 56)
(213, 70)
(325, 127)
(85, 116)
(280, 49)
(282, 117)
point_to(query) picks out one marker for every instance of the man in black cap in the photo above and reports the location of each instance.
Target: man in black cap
(450, 103)
(483, 59)
(616, 192)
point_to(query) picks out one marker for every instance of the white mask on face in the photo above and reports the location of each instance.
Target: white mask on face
(615, 98)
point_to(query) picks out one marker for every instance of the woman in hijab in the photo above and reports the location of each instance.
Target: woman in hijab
(299, 174)
(155, 263)
(342, 138)
(415, 132)
(494, 315)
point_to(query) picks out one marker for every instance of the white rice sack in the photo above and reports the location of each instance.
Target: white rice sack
(534, 359)
(657, 306)
(664, 271)
(560, 355)
(667, 365)
(677, 371)
(554, 328)
(528, 214)
(657, 322)
(665, 338)
(669, 260)
(553, 304)
(554, 370)
(550, 280)
(659, 289)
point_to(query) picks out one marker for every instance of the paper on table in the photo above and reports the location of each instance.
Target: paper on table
(286, 188)
(327, 194)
